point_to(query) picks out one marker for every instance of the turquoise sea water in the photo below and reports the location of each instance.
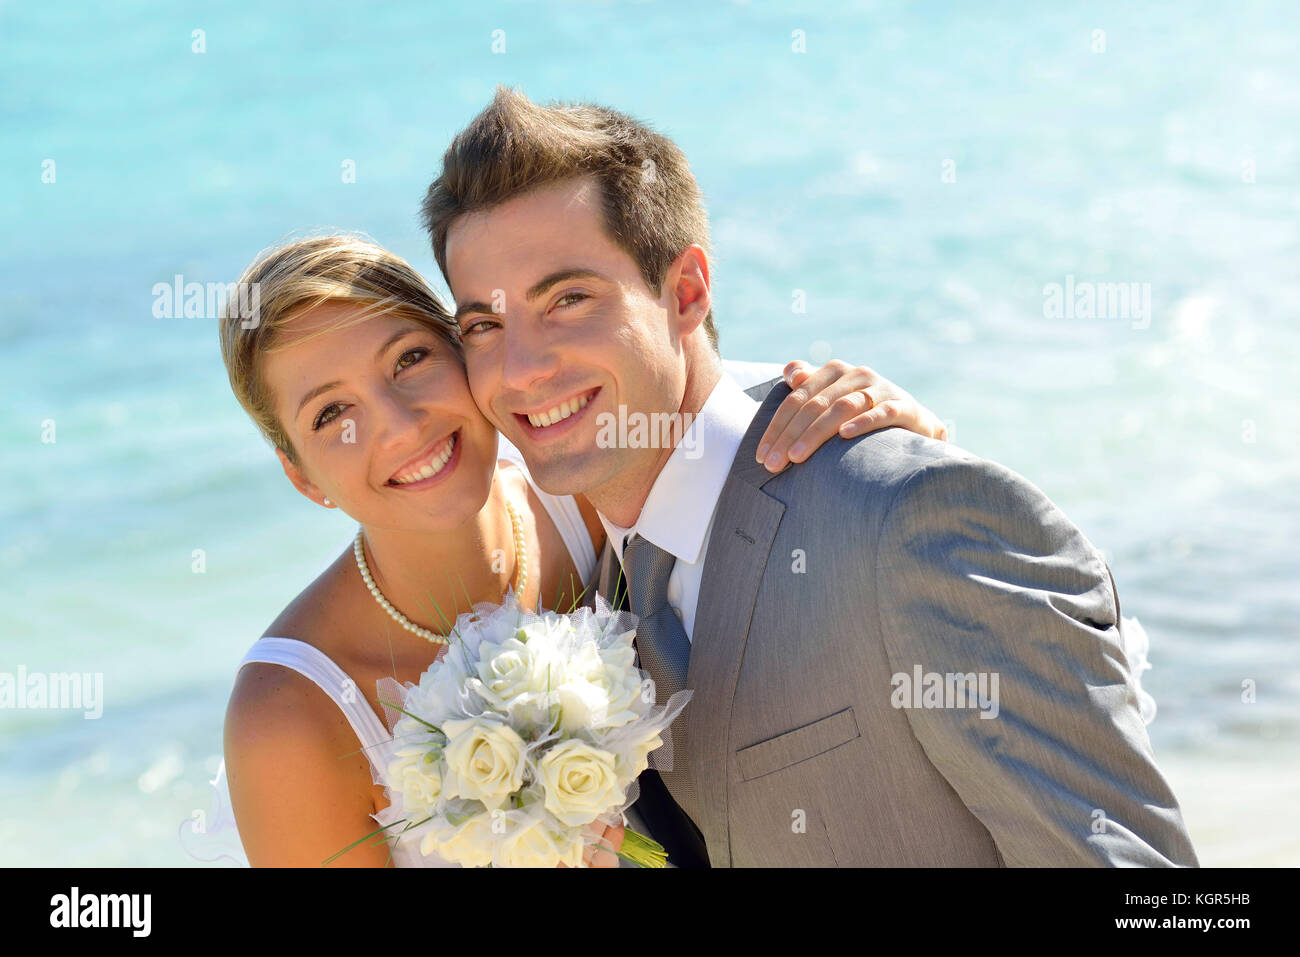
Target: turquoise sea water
(920, 173)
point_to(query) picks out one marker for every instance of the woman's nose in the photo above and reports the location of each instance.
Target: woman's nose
(399, 420)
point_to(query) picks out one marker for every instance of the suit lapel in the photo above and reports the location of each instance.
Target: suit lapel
(610, 581)
(605, 580)
(744, 525)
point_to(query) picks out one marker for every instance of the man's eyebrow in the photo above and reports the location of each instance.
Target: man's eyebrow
(560, 275)
(469, 307)
(388, 343)
(537, 289)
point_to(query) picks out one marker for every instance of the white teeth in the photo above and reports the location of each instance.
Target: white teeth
(434, 466)
(560, 412)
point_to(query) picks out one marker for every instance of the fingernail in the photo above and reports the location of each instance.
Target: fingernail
(850, 429)
(796, 449)
(763, 450)
(773, 462)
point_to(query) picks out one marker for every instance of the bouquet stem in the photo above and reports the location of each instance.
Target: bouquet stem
(642, 851)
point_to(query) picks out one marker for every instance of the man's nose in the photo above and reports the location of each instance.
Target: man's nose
(528, 358)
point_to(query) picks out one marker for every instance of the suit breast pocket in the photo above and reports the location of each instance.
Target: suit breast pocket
(798, 745)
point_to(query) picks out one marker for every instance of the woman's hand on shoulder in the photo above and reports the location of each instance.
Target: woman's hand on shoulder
(299, 786)
(838, 399)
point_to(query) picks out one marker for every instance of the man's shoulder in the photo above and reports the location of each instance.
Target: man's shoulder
(893, 467)
(886, 459)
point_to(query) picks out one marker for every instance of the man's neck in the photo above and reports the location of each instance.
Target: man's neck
(621, 499)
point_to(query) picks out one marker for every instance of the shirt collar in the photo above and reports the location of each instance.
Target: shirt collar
(679, 509)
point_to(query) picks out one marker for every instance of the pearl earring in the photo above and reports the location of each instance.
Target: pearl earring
(327, 503)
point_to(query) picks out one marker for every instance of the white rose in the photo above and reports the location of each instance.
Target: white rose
(621, 654)
(636, 758)
(510, 670)
(580, 782)
(415, 772)
(582, 705)
(484, 761)
(438, 685)
(533, 844)
(601, 690)
(548, 634)
(468, 844)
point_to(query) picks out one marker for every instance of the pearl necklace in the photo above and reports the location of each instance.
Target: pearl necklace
(521, 576)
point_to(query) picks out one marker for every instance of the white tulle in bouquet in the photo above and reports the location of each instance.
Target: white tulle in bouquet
(531, 727)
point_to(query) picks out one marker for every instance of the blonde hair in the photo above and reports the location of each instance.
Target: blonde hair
(292, 278)
(653, 208)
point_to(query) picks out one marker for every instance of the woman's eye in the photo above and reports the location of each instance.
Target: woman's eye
(418, 354)
(324, 417)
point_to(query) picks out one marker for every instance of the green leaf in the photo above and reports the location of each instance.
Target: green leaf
(334, 857)
(397, 707)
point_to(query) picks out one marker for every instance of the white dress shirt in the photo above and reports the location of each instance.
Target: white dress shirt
(678, 512)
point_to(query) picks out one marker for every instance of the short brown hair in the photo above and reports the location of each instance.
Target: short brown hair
(293, 278)
(653, 208)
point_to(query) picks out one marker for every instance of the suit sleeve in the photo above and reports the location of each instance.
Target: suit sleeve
(979, 573)
(759, 391)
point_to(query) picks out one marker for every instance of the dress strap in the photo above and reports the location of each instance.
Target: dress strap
(313, 663)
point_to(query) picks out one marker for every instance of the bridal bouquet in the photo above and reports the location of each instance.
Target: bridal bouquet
(531, 727)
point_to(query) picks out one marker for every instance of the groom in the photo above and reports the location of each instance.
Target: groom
(900, 654)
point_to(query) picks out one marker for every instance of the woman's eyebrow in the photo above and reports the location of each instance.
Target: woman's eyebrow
(388, 343)
(315, 392)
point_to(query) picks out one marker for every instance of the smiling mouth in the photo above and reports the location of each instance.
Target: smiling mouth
(540, 423)
(429, 465)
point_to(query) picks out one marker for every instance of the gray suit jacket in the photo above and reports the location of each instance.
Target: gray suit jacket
(894, 555)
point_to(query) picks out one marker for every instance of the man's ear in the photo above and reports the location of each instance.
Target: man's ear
(689, 279)
(299, 480)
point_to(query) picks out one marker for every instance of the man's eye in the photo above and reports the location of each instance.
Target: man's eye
(576, 297)
(323, 418)
(478, 326)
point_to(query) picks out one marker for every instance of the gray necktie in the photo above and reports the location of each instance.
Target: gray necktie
(664, 649)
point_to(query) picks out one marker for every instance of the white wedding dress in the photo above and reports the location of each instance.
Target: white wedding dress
(216, 838)
(375, 739)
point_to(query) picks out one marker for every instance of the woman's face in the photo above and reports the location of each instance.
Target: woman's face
(382, 417)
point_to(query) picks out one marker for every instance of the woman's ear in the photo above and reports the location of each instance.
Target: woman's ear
(299, 480)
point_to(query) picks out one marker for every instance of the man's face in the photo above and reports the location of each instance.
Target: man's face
(560, 330)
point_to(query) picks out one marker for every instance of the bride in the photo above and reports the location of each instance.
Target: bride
(353, 372)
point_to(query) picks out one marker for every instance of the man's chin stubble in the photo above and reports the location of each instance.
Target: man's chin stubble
(567, 475)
